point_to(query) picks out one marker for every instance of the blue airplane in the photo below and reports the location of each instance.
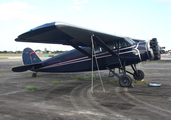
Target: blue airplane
(110, 51)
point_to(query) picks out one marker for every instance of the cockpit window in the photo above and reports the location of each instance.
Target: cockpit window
(122, 43)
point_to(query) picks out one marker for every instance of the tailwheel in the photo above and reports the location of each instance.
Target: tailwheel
(139, 75)
(34, 74)
(125, 81)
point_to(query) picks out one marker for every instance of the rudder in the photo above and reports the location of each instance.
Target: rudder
(30, 57)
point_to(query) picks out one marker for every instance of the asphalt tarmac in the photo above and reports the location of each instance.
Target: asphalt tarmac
(73, 100)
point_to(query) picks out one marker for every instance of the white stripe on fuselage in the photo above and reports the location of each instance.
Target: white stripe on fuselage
(82, 59)
(138, 52)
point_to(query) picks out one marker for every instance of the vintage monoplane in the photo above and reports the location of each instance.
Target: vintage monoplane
(110, 51)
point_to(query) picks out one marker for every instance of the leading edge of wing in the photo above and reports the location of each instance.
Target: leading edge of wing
(61, 33)
(47, 33)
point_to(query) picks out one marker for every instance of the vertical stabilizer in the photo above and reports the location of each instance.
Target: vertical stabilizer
(30, 57)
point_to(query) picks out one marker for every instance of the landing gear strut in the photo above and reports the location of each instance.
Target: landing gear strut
(125, 80)
(138, 74)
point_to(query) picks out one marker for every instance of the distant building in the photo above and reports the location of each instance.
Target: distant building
(39, 52)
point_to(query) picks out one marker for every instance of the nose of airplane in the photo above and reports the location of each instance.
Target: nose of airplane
(154, 49)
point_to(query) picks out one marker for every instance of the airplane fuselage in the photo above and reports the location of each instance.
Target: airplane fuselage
(74, 61)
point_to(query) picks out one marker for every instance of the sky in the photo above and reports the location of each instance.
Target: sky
(139, 19)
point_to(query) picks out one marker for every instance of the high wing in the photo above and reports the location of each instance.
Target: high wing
(63, 33)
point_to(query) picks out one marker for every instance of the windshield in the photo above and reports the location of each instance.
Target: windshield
(129, 40)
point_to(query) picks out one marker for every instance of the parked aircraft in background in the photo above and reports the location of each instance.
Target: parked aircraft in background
(110, 51)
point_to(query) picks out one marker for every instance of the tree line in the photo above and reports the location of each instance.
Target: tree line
(37, 51)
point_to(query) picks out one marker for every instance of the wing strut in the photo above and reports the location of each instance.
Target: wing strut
(84, 52)
(93, 57)
(79, 49)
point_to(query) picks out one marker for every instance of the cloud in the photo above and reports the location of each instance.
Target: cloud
(20, 10)
(75, 2)
(163, 0)
(14, 10)
(78, 5)
(106, 12)
(85, 1)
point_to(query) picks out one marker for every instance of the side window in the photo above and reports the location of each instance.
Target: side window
(97, 49)
(124, 43)
(113, 44)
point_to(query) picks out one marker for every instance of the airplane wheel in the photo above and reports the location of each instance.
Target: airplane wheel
(139, 76)
(34, 74)
(125, 81)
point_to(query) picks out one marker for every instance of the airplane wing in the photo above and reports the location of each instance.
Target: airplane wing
(63, 33)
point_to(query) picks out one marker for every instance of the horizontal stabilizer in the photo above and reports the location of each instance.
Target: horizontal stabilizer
(24, 67)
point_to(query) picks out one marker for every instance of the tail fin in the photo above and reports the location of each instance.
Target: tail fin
(30, 57)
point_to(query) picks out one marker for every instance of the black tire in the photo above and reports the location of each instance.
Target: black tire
(34, 74)
(125, 81)
(139, 76)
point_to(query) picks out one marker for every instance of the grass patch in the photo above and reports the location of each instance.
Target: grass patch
(149, 72)
(94, 75)
(9, 54)
(135, 81)
(14, 66)
(3, 57)
(55, 77)
(31, 88)
(116, 80)
(4, 73)
(144, 82)
(79, 78)
(36, 75)
(140, 82)
(39, 76)
(107, 80)
(56, 82)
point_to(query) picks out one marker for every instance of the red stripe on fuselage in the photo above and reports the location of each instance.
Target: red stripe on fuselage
(32, 53)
